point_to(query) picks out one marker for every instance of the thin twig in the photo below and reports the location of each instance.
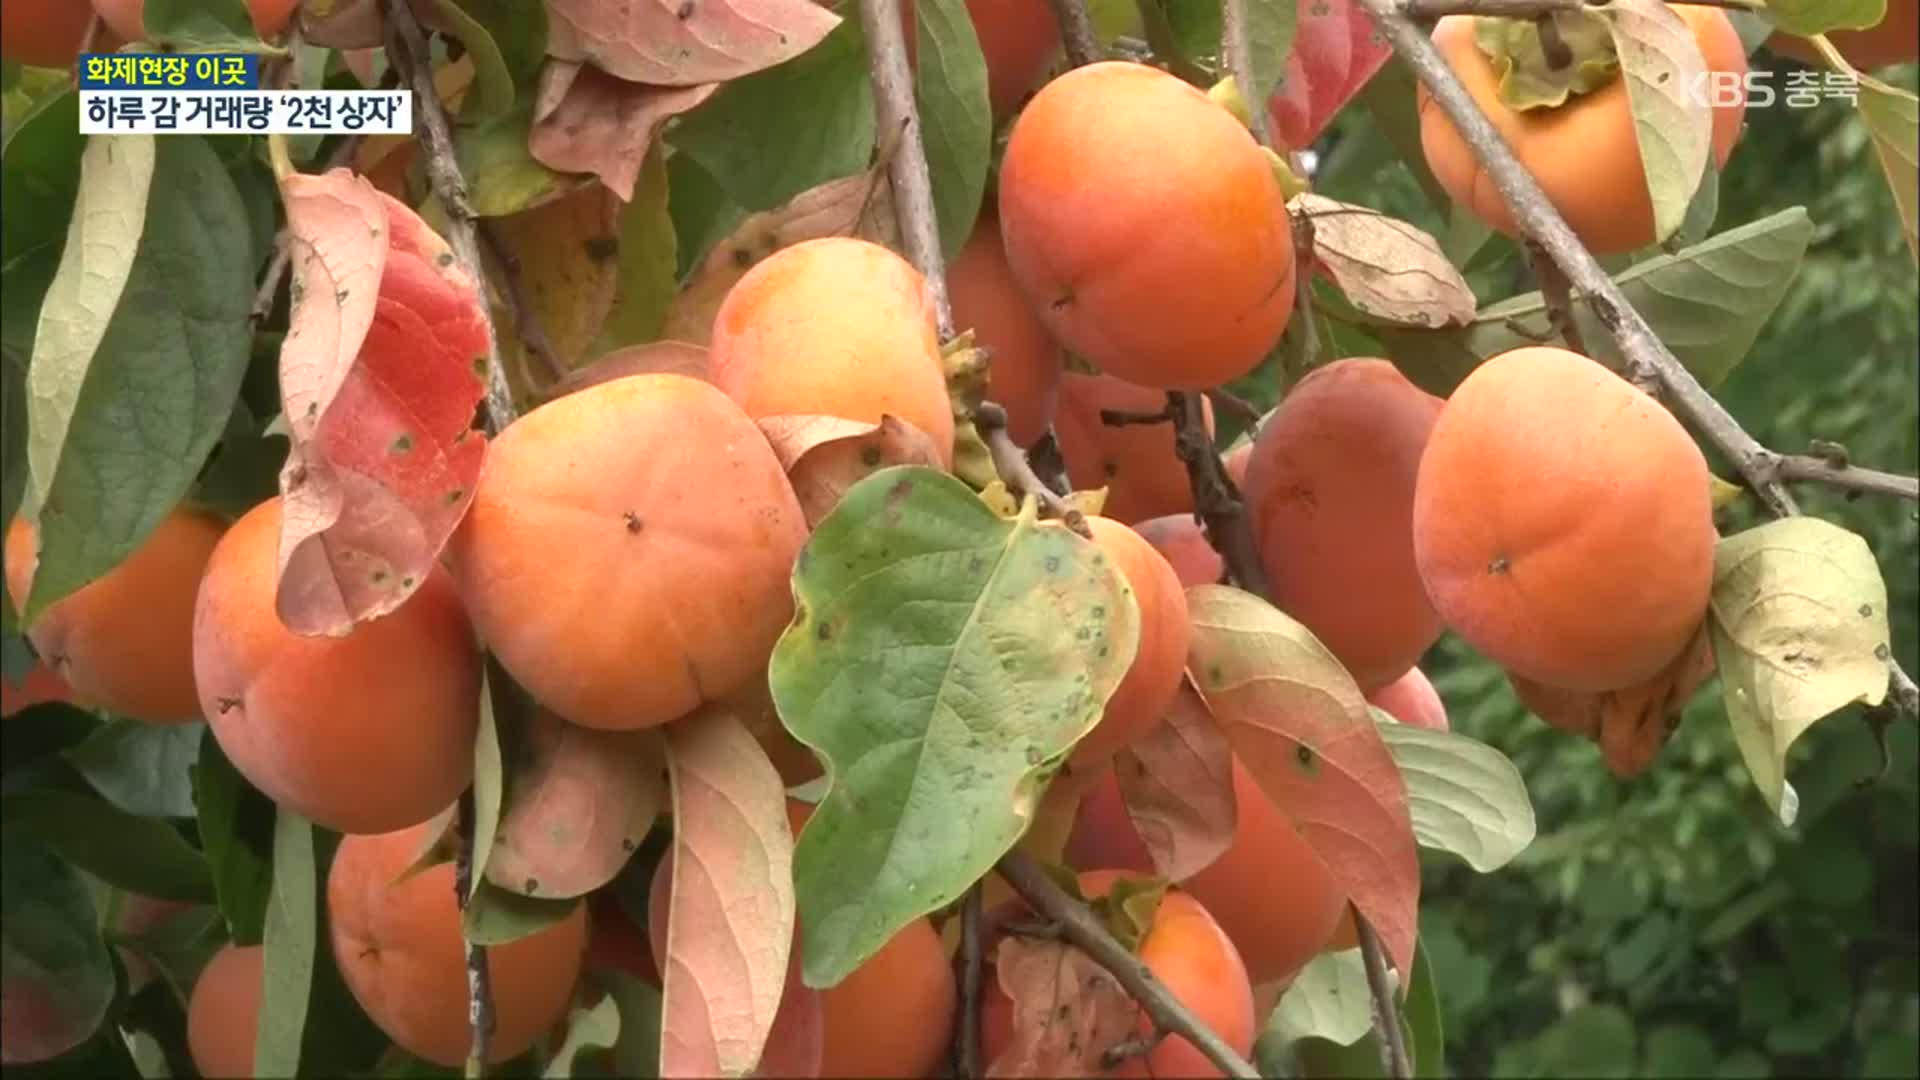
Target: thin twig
(407, 52)
(1647, 358)
(966, 1051)
(1016, 471)
(1558, 295)
(282, 254)
(526, 322)
(1078, 925)
(1393, 1040)
(1076, 32)
(1851, 478)
(1226, 401)
(480, 1017)
(1216, 500)
(1133, 418)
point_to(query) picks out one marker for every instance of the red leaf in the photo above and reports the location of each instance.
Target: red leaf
(1177, 783)
(684, 42)
(379, 376)
(576, 808)
(1067, 1011)
(1335, 51)
(586, 121)
(1298, 723)
(826, 455)
(730, 922)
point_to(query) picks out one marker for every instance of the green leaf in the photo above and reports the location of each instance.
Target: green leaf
(956, 123)
(1809, 17)
(245, 468)
(495, 916)
(648, 249)
(1426, 1036)
(139, 352)
(142, 855)
(236, 832)
(595, 1027)
(48, 728)
(1270, 28)
(1328, 999)
(178, 945)
(1592, 1040)
(637, 1052)
(1663, 69)
(149, 1058)
(1701, 212)
(1706, 302)
(51, 957)
(1799, 625)
(941, 659)
(502, 176)
(1391, 102)
(292, 936)
(1465, 797)
(1676, 1050)
(493, 90)
(519, 32)
(142, 768)
(1892, 116)
(489, 771)
(702, 213)
(202, 26)
(42, 163)
(794, 126)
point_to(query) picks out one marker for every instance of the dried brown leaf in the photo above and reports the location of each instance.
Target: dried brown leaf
(1067, 1010)
(1386, 267)
(684, 42)
(1632, 724)
(826, 455)
(587, 121)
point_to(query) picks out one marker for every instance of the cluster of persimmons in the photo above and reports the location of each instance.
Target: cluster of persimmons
(628, 553)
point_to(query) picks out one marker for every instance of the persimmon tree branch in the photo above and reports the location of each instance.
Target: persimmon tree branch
(526, 321)
(479, 981)
(1393, 1038)
(1076, 32)
(1852, 478)
(966, 1050)
(1079, 927)
(1648, 361)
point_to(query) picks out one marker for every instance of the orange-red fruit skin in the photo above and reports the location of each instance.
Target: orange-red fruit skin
(124, 641)
(398, 945)
(1147, 690)
(1411, 699)
(1563, 522)
(1025, 363)
(1146, 227)
(223, 1012)
(1018, 40)
(1330, 498)
(1180, 539)
(628, 551)
(1584, 154)
(1134, 462)
(127, 18)
(364, 733)
(43, 33)
(834, 327)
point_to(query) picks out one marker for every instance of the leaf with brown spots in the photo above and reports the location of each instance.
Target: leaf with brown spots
(826, 455)
(1630, 724)
(587, 121)
(684, 42)
(1299, 724)
(860, 205)
(577, 807)
(379, 376)
(653, 358)
(1067, 1010)
(566, 255)
(1386, 267)
(1177, 784)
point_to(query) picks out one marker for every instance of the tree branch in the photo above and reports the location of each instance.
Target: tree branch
(1813, 469)
(1559, 299)
(966, 1051)
(1079, 927)
(1016, 471)
(1216, 500)
(1647, 358)
(407, 52)
(1393, 1040)
(525, 322)
(479, 983)
(1076, 32)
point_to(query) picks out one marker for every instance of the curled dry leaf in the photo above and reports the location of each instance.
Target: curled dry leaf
(730, 922)
(653, 358)
(567, 260)
(587, 121)
(1631, 724)
(380, 375)
(1386, 267)
(1299, 724)
(1067, 1010)
(577, 807)
(683, 42)
(860, 205)
(826, 455)
(1335, 51)
(1177, 784)
(1663, 68)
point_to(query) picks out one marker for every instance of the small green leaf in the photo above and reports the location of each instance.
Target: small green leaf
(1391, 102)
(489, 770)
(637, 1052)
(1677, 1051)
(648, 272)
(1328, 999)
(142, 768)
(1426, 1036)
(1466, 797)
(493, 90)
(1672, 122)
(502, 175)
(1892, 117)
(598, 1027)
(1271, 25)
(495, 916)
(1799, 624)
(236, 831)
(142, 855)
(956, 123)
(941, 660)
(51, 955)
(1809, 17)
(292, 935)
(178, 945)
(149, 1059)
(703, 214)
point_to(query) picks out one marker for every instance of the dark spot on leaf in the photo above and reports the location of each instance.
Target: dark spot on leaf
(824, 631)
(1304, 755)
(742, 258)
(685, 12)
(1880, 652)
(1063, 1011)
(602, 248)
(407, 582)
(870, 457)
(633, 521)
(1111, 469)
(626, 843)
(380, 577)
(456, 495)
(1866, 611)
(1052, 564)
(1215, 676)
(445, 259)
(976, 564)
(533, 886)
(313, 409)
(402, 444)
(341, 296)
(480, 366)
(1099, 611)
(1498, 565)
(226, 704)
(1065, 299)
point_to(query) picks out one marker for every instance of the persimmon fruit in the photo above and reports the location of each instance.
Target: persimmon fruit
(1146, 227)
(1411, 699)
(223, 1012)
(1182, 541)
(1026, 363)
(43, 33)
(1563, 523)
(124, 641)
(678, 529)
(1136, 463)
(398, 945)
(834, 327)
(1583, 153)
(364, 733)
(1018, 40)
(40, 685)
(127, 18)
(1329, 495)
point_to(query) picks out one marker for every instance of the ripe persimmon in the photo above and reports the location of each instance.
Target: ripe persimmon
(1182, 541)
(223, 1012)
(43, 33)
(1018, 40)
(364, 733)
(834, 327)
(1584, 153)
(1026, 363)
(628, 551)
(1136, 463)
(398, 945)
(1411, 699)
(124, 641)
(1147, 227)
(1563, 522)
(1330, 498)
(127, 18)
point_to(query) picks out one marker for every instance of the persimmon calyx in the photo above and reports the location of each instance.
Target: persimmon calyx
(1544, 63)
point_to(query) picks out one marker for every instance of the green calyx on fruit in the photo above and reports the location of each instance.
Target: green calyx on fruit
(1543, 63)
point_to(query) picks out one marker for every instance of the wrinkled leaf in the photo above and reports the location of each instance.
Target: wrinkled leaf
(586, 121)
(1067, 1010)
(1386, 267)
(731, 912)
(138, 354)
(292, 936)
(680, 44)
(380, 371)
(143, 855)
(1662, 66)
(826, 455)
(590, 1028)
(1799, 624)
(142, 768)
(1335, 51)
(1465, 797)
(956, 124)
(56, 979)
(578, 804)
(1299, 724)
(1177, 784)
(941, 661)
(1892, 117)
(1328, 999)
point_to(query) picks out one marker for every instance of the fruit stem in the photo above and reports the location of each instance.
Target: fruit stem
(1076, 32)
(1558, 54)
